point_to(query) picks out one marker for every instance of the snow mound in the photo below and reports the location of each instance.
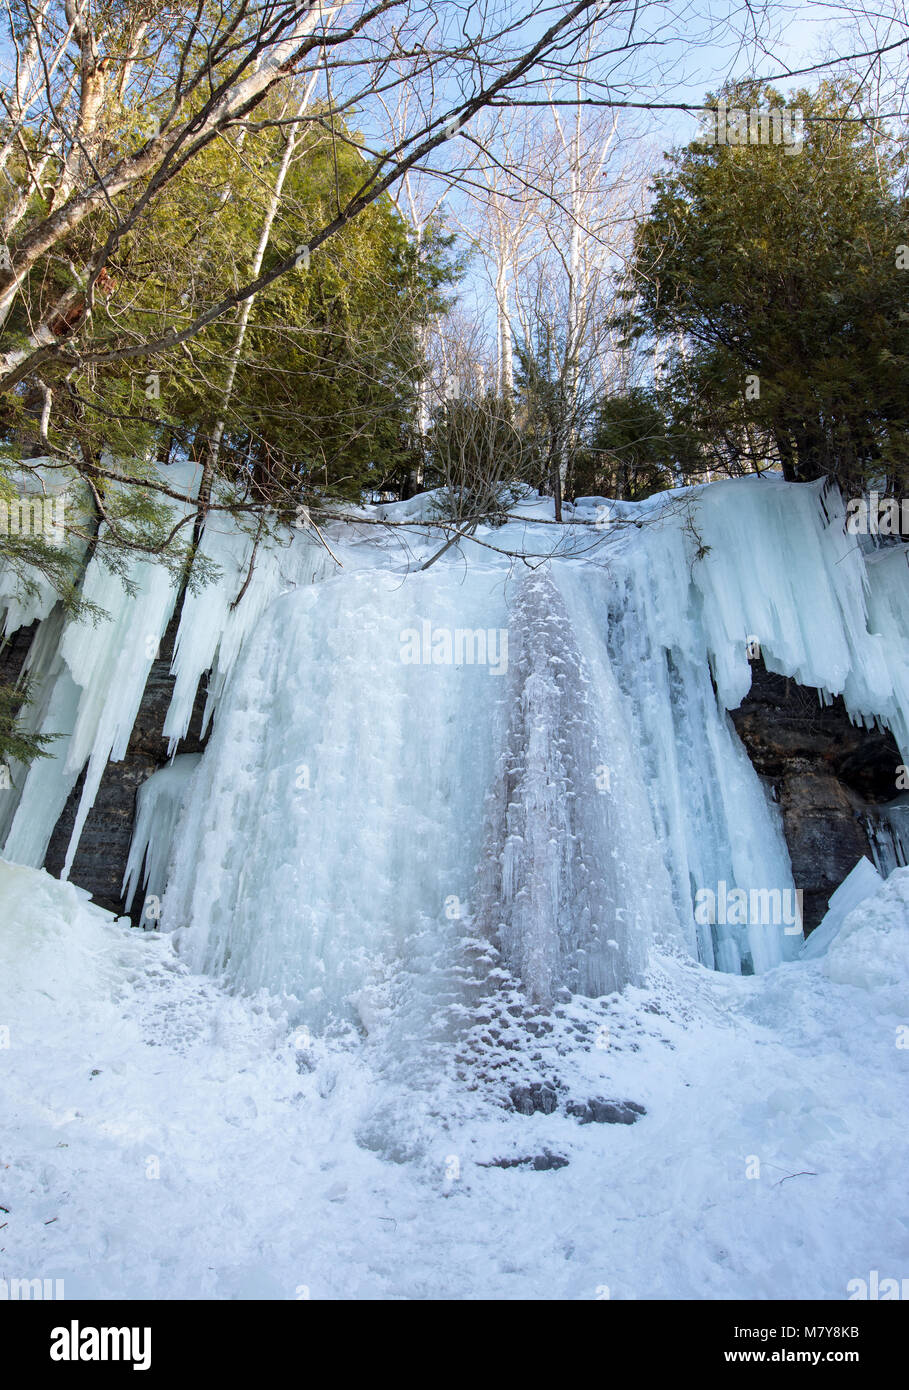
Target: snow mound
(133, 1093)
(54, 944)
(862, 883)
(871, 949)
(69, 970)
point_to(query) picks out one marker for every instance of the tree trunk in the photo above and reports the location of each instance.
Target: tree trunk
(213, 446)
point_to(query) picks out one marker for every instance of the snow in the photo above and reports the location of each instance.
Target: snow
(871, 949)
(121, 1063)
(861, 883)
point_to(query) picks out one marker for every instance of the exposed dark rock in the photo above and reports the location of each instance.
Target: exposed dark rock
(825, 837)
(100, 860)
(546, 1162)
(597, 1111)
(527, 1100)
(826, 773)
(540, 1163)
(13, 653)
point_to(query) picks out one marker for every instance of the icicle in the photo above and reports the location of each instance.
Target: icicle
(158, 805)
(335, 813)
(41, 510)
(213, 626)
(335, 818)
(90, 692)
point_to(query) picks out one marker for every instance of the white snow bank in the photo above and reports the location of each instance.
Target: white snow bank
(871, 949)
(54, 948)
(861, 883)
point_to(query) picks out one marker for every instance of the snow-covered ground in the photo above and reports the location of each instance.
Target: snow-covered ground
(163, 1138)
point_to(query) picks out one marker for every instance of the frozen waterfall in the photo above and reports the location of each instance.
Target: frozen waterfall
(536, 755)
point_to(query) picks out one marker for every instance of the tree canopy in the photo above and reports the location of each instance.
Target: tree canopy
(777, 278)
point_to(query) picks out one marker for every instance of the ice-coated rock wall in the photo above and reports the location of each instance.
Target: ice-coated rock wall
(538, 753)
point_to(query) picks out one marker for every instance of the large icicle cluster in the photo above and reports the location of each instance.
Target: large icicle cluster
(772, 562)
(336, 814)
(110, 664)
(217, 618)
(713, 820)
(35, 508)
(327, 847)
(88, 677)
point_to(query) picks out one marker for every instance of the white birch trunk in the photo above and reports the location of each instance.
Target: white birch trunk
(213, 447)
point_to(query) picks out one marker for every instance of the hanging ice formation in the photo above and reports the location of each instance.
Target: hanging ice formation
(569, 885)
(158, 804)
(402, 761)
(88, 680)
(88, 677)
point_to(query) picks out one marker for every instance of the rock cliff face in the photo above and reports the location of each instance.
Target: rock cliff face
(100, 860)
(14, 652)
(826, 774)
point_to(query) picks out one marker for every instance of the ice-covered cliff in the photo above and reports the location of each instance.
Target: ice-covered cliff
(532, 752)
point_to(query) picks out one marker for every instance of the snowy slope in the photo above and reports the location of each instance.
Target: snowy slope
(119, 1056)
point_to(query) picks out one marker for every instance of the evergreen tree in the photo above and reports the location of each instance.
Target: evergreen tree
(631, 452)
(783, 272)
